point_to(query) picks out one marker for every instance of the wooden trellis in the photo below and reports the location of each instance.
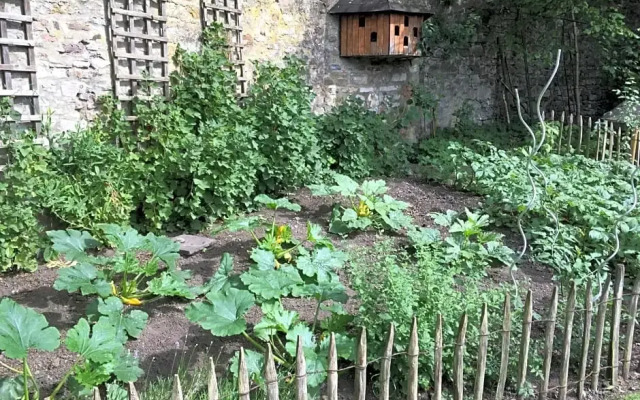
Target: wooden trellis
(139, 49)
(18, 60)
(228, 13)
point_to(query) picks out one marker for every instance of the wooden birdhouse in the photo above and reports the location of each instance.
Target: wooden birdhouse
(380, 28)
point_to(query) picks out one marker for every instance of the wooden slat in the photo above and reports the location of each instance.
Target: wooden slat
(19, 93)
(212, 386)
(271, 375)
(4, 51)
(506, 340)
(138, 14)
(343, 35)
(566, 343)
(614, 344)
(332, 370)
(550, 331)
(385, 365)
(360, 382)
(222, 8)
(599, 338)
(134, 35)
(412, 356)
(16, 17)
(372, 26)
(482, 354)
(631, 323)
(384, 26)
(141, 57)
(458, 360)
(17, 42)
(127, 77)
(244, 391)
(301, 372)
(525, 340)
(437, 361)
(353, 36)
(17, 68)
(586, 337)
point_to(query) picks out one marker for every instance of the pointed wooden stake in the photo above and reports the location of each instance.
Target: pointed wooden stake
(212, 387)
(437, 363)
(482, 354)
(600, 321)
(332, 370)
(458, 360)
(633, 311)
(525, 342)
(301, 372)
(133, 393)
(176, 393)
(566, 344)
(614, 344)
(385, 365)
(548, 344)
(360, 382)
(586, 332)
(412, 387)
(506, 340)
(271, 376)
(96, 394)
(244, 391)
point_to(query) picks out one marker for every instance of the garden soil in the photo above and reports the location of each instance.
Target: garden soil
(171, 340)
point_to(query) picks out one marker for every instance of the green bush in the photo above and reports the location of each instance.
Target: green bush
(362, 143)
(279, 108)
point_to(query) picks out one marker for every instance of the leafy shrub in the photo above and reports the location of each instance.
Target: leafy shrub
(313, 277)
(98, 348)
(370, 206)
(137, 259)
(279, 107)
(393, 287)
(362, 143)
(278, 239)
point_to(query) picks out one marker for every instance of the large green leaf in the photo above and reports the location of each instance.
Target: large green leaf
(424, 236)
(306, 337)
(275, 204)
(23, 329)
(221, 280)
(264, 259)
(115, 392)
(321, 263)
(315, 236)
(124, 239)
(275, 319)
(164, 249)
(243, 223)
(126, 324)
(170, 285)
(345, 185)
(11, 388)
(83, 277)
(125, 368)
(224, 315)
(397, 220)
(72, 243)
(330, 289)
(98, 344)
(272, 284)
(374, 188)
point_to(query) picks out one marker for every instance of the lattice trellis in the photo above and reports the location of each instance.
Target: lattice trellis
(18, 60)
(228, 13)
(139, 49)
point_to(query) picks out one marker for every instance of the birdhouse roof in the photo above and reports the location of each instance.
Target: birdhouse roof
(372, 6)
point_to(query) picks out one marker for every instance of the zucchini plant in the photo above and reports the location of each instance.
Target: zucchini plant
(230, 296)
(277, 239)
(141, 267)
(98, 347)
(369, 206)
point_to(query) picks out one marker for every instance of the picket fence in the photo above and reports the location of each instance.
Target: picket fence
(592, 365)
(601, 140)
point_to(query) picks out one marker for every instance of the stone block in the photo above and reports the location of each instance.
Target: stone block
(192, 244)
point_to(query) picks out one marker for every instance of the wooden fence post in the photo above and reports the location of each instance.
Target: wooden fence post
(133, 393)
(634, 147)
(437, 360)
(570, 142)
(598, 128)
(525, 342)
(566, 344)
(332, 370)
(611, 140)
(412, 355)
(561, 132)
(633, 310)
(614, 346)
(600, 321)
(482, 354)
(458, 360)
(548, 344)
(244, 390)
(506, 340)
(96, 394)
(581, 127)
(361, 367)
(212, 387)
(301, 372)
(176, 392)
(385, 365)
(271, 375)
(589, 132)
(586, 337)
